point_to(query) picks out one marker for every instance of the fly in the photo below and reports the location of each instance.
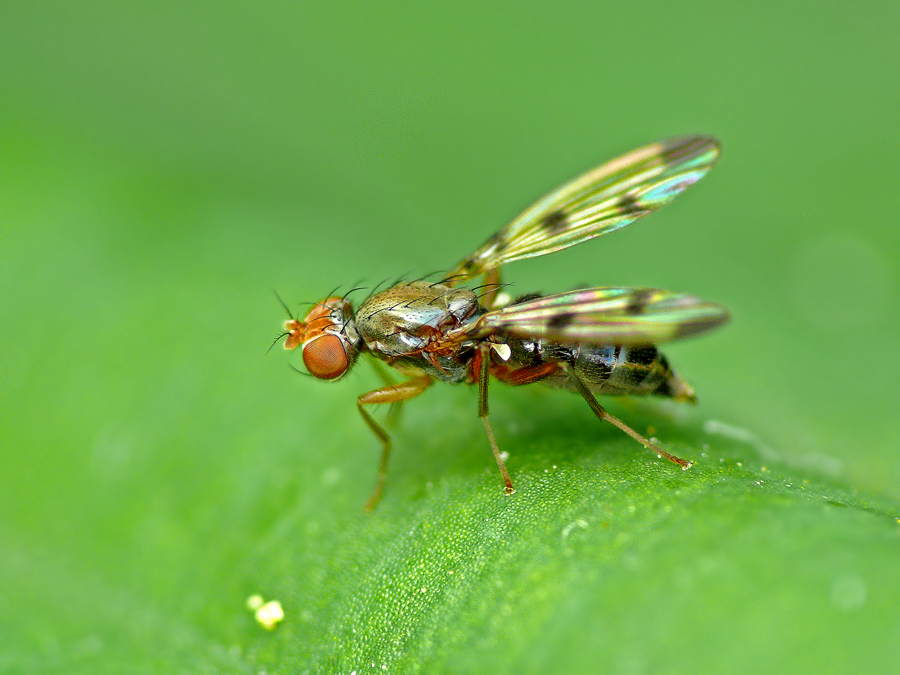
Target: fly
(590, 341)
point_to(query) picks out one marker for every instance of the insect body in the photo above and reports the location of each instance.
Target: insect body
(589, 341)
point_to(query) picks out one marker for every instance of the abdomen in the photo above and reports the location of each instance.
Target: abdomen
(620, 370)
(609, 370)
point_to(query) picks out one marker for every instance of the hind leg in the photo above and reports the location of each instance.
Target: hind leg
(600, 412)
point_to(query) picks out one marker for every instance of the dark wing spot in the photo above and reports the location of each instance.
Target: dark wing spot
(680, 148)
(628, 205)
(554, 222)
(498, 242)
(526, 298)
(701, 325)
(638, 302)
(562, 320)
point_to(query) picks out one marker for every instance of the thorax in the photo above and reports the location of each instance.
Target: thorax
(399, 325)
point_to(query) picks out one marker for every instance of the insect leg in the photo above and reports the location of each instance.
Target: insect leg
(393, 415)
(524, 375)
(382, 372)
(484, 372)
(392, 394)
(600, 412)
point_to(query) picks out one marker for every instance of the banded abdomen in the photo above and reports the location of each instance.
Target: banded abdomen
(610, 370)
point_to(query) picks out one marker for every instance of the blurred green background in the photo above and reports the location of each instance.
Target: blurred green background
(164, 166)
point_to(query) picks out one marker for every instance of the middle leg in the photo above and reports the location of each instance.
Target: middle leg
(483, 367)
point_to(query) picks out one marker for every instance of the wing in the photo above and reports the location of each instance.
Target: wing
(602, 200)
(602, 316)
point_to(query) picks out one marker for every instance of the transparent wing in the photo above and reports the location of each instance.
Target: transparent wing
(602, 200)
(622, 316)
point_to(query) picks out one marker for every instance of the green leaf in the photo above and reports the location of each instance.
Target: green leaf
(603, 556)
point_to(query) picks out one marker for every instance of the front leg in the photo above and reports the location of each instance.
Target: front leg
(393, 414)
(390, 394)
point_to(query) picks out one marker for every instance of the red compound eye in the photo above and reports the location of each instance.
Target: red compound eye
(325, 357)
